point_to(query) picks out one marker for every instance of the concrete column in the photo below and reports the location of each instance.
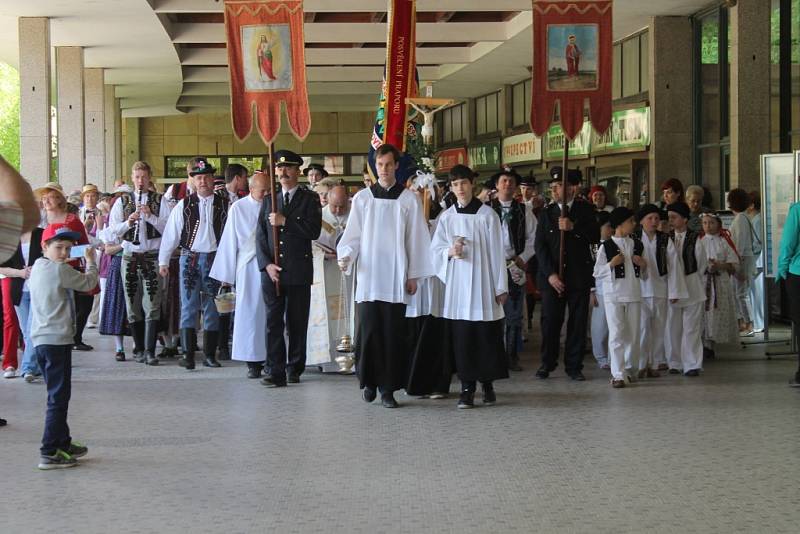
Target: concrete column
(132, 149)
(95, 125)
(750, 90)
(670, 102)
(112, 138)
(34, 105)
(71, 147)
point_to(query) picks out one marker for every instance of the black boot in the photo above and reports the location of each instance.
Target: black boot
(150, 334)
(210, 348)
(224, 336)
(137, 330)
(254, 369)
(189, 344)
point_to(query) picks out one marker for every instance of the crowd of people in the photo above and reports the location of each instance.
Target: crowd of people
(439, 288)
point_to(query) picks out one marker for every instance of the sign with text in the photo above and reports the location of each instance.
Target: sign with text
(630, 130)
(485, 155)
(522, 148)
(447, 159)
(578, 148)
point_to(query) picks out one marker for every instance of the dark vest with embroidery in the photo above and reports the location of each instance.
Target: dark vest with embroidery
(191, 218)
(129, 206)
(516, 223)
(689, 258)
(612, 249)
(662, 241)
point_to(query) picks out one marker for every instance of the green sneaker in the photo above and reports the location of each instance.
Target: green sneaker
(60, 460)
(77, 449)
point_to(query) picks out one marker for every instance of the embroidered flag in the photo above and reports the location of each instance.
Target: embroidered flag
(266, 58)
(572, 62)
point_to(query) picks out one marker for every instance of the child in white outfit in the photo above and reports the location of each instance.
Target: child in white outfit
(599, 324)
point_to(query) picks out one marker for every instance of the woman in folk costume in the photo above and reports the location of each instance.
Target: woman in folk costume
(723, 261)
(113, 314)
(468, 256)
(235, 264)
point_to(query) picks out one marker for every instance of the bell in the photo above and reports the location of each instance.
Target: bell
(345, 364)
(345, 344)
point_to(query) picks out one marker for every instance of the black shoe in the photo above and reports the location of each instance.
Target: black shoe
(137, 333)
(189, 344)
(3, 422)
(387, 399)
(150, 335)
(83, 347)
(168, 353)
(369, 394)
(253, 370)
(708, 354)
(139, 357)
(489, 396)
(120, 356)
(210, 338)
(293, 379)
(692, 372)
(542, 373)
(674, 371)
(514, 365)
(466, 400)
(270, 382)
(578, 376)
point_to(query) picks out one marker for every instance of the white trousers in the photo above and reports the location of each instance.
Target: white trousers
(652, 352)
(623, 337)
(599, 329)
(757, 298)
(684, 338)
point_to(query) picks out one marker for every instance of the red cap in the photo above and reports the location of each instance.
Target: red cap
(61, 231)
(596, 189)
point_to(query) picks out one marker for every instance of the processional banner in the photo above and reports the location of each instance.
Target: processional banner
(266, 58)
(572, 62)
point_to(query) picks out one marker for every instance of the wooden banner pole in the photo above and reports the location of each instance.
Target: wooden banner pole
(274, 192)
(564, 185)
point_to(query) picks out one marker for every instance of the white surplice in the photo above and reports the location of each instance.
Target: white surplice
(389, 242)
(235, 263)
(473, 281)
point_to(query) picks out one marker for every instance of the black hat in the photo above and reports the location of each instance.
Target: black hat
(619, 215)
(284, 158)
(574, 176)
(681, 208)
(603, 217)
(202, 167)
(529, 181)
(505, 171)
(315, 167)
(460, 172)
(646, 210)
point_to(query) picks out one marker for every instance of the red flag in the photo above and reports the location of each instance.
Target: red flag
(572, 62)
(266, 58)
(400, 68)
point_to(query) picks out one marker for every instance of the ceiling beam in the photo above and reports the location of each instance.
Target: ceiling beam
(313, 74)
(335, 56)
(326, 6)
(331, 32)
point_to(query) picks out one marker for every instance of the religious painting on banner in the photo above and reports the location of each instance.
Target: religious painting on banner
(572, 62)
(266, 55)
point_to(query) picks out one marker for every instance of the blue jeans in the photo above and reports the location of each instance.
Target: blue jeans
(56, 364)
(29, 364)
(198, 291)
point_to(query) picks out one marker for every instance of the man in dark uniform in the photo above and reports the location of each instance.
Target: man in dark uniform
(299, 221)
(581, 231)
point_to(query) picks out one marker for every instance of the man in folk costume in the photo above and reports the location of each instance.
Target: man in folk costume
(580, 231)
(387, 236)
(519, 233)
(235, 264)
(286, 280)
(196, 226)
(687, 295)
(138, 220)
(469, 257)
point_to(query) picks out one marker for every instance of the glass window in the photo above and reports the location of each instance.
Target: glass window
(518, 104)
(630, 67)
(458, 123)
(176, 165)
(334, 164)
(357, 164)
(491, 113)
(709, 79)
(616, 86)
(252, 163)
(644, 62)
(480, 115)
(710, 173)
(528, 85)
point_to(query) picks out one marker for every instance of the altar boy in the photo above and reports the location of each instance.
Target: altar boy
(619, 267)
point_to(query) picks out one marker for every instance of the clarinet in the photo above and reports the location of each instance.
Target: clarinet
(137, 204)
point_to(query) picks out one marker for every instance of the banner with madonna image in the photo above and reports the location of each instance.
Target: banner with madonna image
(572, 63)
(266, 58)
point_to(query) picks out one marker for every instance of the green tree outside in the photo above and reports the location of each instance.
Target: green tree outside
(9, 114)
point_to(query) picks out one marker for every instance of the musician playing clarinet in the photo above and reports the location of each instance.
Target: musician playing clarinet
(138, 219)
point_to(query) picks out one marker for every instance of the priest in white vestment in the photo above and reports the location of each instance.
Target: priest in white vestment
(469, 257)
(388, 240)
(235, 265)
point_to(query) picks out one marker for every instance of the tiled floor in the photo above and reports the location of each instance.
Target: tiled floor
(209, 451)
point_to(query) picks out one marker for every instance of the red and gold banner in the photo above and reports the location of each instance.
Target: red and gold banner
(266, 58)
(400, 70)
(572, 62)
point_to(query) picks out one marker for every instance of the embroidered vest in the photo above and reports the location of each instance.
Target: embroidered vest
(516, 223)
(689, 258)
(129, 206)
(662, 240)
(191, 218)
(612, 249)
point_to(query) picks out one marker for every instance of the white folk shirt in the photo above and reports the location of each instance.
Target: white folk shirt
(204, 240)
(530, 233)
(688, 290)
(471, 283)
(653, 285)
(389, 242)
(618, 290)
(118, 224)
